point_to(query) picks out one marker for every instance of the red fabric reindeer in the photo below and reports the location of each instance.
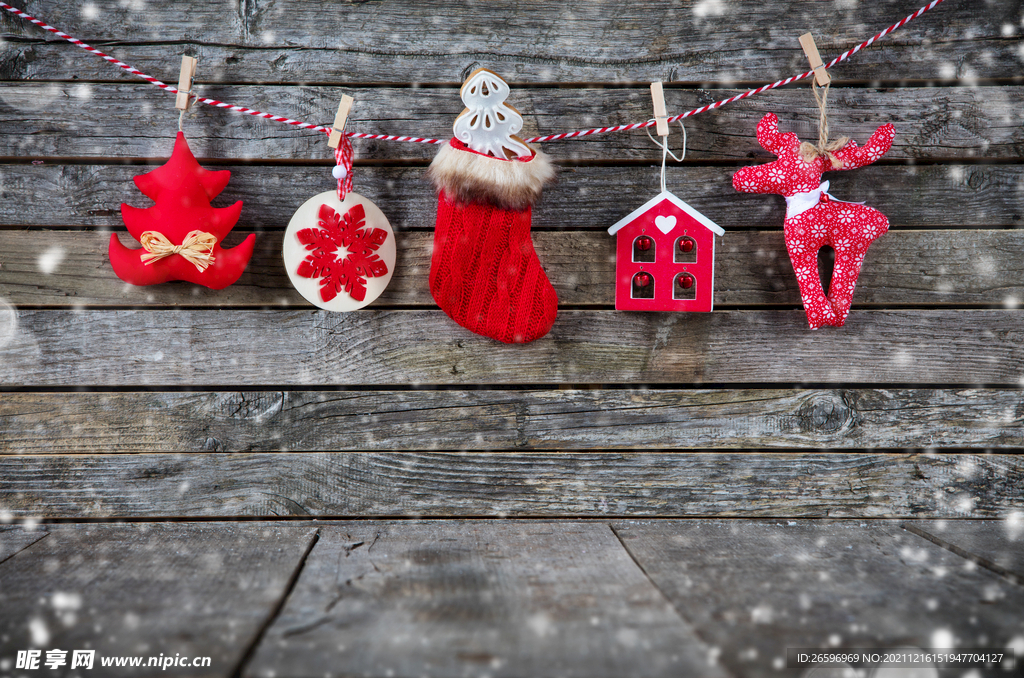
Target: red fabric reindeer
(814, 218)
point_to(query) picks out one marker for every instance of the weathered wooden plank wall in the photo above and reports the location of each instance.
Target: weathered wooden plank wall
(923, 378)
(906, 268)
(534, 419)
(915, 196)
(576, 42)
(935, 122)
(577, 484)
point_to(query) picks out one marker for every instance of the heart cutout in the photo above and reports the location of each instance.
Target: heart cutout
(665, 224)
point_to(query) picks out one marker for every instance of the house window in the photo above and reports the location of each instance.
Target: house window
(643, 286)
(685, 251)
(684, 287)
(643, 249)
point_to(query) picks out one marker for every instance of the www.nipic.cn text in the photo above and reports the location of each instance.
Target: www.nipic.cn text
(86, 659)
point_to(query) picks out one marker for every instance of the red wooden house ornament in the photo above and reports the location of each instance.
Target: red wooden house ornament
(665, 257)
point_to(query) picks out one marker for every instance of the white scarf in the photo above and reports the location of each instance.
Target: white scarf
(798, 203)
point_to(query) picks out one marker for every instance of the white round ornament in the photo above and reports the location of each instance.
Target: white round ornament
(339, 254)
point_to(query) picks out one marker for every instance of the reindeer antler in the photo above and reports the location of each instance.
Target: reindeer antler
(768, 134)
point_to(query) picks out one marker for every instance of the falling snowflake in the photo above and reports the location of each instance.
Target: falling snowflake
(343, 253)
(50, 259)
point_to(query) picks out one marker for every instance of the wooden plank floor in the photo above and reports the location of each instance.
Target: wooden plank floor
(506, 598)
(237, 476)
(757, 588)
(184, 589)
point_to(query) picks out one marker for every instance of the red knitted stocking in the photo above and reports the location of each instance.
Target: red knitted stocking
(485, 273)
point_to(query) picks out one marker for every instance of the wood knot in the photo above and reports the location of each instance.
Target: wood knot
(825, 412)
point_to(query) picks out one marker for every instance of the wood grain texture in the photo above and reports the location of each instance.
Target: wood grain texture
(13, 540)
(756, 588)
(751, 268)
(103, 121)
(287, 42)
(196, 589)
(997, 545)
(373, 484)
(383, 421)
(296, 348)
(593, 197)
(470, 598)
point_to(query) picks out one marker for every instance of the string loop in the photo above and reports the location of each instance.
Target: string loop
(665, 152)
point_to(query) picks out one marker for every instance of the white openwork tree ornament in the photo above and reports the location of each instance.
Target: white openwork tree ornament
(488, 124)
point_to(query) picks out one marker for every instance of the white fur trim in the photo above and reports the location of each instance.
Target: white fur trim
(467, 177)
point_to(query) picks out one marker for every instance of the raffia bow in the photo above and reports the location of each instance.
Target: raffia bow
(197, 248)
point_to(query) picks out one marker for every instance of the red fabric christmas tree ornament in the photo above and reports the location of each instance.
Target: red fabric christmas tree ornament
(181, 233)
(814, 218)
(484, 272)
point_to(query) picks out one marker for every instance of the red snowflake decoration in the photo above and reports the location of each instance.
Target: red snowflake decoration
(339, 272)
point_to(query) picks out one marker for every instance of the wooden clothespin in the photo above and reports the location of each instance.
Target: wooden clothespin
(821, 76)
(185, 78)
(339, 120)
(660, 112)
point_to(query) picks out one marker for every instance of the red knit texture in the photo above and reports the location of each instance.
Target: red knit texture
(485, 274)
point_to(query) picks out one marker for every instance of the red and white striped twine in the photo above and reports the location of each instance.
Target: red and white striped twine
(343, 165)
(422, 140)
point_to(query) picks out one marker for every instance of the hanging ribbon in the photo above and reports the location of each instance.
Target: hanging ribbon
(196, 248)
(343, 169)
